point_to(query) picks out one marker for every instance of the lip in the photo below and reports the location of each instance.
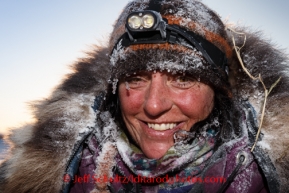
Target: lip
(166, 134)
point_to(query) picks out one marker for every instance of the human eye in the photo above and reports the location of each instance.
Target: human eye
(183, 81)
(135, 81)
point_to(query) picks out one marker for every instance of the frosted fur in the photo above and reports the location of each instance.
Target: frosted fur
(118, 53)
(194, 59)
(104, 164)
(148, 60)
(276, 120)
(260, 56)
(65, 116)
(174, 66)
(60, 121)
(110, 129)
(193, 11)
(189, 11)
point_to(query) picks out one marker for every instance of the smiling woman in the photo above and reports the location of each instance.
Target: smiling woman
(164, 107)
(156, 105)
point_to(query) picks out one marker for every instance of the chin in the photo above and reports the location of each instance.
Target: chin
(156, 150)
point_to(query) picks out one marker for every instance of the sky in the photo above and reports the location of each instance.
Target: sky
(39, 40)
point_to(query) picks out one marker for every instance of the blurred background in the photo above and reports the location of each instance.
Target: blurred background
(40, 39)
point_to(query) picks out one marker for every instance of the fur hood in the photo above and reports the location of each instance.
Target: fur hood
(40, 151)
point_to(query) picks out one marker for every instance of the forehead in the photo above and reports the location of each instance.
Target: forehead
(175, 61)
(151, 73)
(128, 61)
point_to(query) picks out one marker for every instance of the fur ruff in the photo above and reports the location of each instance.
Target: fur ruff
(40, 151)
(262, 57)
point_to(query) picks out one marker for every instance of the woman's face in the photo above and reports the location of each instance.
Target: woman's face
(156, 105)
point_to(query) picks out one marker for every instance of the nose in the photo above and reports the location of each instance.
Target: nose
(158, 100)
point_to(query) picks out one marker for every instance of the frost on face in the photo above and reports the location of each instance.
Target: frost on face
(127, 85)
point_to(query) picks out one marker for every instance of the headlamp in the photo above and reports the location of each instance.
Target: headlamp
(148, 27)
(134, 22)
(148, 21)
(142, 21)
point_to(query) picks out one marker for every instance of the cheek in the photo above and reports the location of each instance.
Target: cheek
(130, 101)
(197, 103)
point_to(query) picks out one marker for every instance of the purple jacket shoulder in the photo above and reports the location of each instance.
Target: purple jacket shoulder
(231, 169)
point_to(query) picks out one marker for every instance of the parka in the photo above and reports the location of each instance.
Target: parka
(78, 137)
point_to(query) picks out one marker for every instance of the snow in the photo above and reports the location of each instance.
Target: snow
(185, 43)
(264, 145)
(118, 53)
(188, 10)
(114, 85)
(107, 137)
(266, 140)
(105, 161)
(127, 85)
(194, 11)
(122, 148)
(77, 117)
(110, 130)
(243, 180)
(187, 62)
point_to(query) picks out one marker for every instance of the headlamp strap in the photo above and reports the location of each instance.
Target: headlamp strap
(155, 5)
(173, 37)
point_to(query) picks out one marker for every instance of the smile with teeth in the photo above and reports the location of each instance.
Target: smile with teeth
(162, 127)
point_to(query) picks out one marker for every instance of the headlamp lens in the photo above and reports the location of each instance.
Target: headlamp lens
(148, 21)
(134, 22)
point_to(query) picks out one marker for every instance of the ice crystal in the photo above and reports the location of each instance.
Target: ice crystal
(114, 85)
(181, 139)
(194, 11)
(118, 53)
(127, 85)
(109, 131)
(77, 116)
